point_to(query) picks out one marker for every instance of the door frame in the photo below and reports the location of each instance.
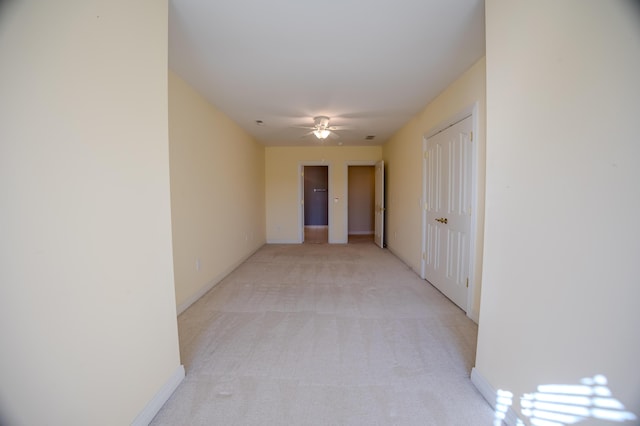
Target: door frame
(345, 207)
(473, 112)
(301, 166)
(380, 209)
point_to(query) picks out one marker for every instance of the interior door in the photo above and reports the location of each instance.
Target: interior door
(315, 204)
(379, 205)
(448, 211)
(316, 201)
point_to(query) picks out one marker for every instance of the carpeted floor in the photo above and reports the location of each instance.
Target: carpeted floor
(324, 334)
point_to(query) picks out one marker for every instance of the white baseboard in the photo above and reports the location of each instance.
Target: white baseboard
(160, 398)
(211, 284)
(474, 316)
(272, 241)
(403, 260)
(361, 232)
(340, 241)
(489, 394)
(484, 387)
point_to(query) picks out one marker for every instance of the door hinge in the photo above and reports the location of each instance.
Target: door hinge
(302, 202)
(426, 155)
(467, 282)
(424, 255)
(471, 136)
(426, 206)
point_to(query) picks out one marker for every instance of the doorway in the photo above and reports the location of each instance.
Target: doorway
(361, 203)
(378, 202)
(316, 204)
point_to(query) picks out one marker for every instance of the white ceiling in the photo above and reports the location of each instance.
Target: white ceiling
(370, 65)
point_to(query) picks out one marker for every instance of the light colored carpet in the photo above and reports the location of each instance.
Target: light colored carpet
(325, 335)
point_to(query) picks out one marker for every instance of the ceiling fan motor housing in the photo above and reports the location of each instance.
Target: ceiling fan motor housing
(321, 122)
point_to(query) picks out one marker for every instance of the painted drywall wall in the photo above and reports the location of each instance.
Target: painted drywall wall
(87, 309)
(403, 160)
(360, 200)
(562, 237)
(217, 192)
(283, 186)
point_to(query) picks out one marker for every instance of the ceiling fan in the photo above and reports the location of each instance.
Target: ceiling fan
(321, 128)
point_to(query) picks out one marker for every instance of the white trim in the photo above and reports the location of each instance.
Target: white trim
(423, 200)
(301, 197)
(345, 207)
(473, 112)
(450, 121)
(474, 281)
(401, 259)
(282, 241)
(489, 394)
(160, 398)
(211, 284)
(484, 387)
(472, 313)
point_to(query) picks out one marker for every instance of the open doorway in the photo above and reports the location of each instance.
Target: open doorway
(316, 204)
(361, 203)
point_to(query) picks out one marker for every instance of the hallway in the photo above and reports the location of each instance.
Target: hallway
(325, 334)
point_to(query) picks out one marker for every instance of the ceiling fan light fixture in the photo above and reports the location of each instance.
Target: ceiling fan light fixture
(321, 133)
(321, 121)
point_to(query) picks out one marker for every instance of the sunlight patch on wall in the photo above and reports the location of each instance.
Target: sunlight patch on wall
(560, 405)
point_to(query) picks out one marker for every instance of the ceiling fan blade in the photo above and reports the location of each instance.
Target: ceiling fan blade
(320, 123)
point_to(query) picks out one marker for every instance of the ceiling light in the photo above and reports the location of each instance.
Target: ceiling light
(321, 122)
(321, 133)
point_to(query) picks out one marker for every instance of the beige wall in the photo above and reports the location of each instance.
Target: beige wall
(87, 308)
(403, 158)
(562, 239)
(217, 192)
(283, 187)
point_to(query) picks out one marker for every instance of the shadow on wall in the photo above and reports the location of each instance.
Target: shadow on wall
(560, 405)
(4, 6)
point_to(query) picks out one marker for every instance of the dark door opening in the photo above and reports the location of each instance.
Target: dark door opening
(361, 203)
(316, 204)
